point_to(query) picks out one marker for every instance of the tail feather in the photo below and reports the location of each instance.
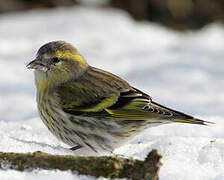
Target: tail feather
(181, 117)
(193, 121)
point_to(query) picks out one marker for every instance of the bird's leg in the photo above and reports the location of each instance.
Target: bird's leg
(75, 148)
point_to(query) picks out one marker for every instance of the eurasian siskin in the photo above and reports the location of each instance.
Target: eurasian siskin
(87, 107)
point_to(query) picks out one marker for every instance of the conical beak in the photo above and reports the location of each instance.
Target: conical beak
(37, 64)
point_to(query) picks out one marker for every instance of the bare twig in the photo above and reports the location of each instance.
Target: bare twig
(106, 166)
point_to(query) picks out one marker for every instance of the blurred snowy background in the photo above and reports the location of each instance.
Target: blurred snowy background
(182, 70)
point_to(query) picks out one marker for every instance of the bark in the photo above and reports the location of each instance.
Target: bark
(106, 166)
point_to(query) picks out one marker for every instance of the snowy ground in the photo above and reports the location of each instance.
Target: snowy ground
(184, 71)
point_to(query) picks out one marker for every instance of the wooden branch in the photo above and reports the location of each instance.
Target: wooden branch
(106, 166)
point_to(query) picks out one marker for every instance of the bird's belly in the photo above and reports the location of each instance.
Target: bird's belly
(59, 125)
(98, 134)
(101, 134)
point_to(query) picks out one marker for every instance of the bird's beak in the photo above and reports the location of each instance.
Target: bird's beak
(37, 64)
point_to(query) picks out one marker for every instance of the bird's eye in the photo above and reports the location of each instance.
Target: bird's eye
(55, 60)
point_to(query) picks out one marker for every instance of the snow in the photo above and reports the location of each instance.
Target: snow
(183, 71)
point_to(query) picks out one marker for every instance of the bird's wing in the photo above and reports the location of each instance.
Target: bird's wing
(143, 108)
(93, 92)
(121, 103)
(139, 106)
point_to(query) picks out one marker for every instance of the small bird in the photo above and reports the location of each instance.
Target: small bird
(86, 107)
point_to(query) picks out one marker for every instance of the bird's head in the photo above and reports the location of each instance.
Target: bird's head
(57, 62)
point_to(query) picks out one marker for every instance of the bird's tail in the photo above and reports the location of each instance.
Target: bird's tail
(193, 121)
(181, 117)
